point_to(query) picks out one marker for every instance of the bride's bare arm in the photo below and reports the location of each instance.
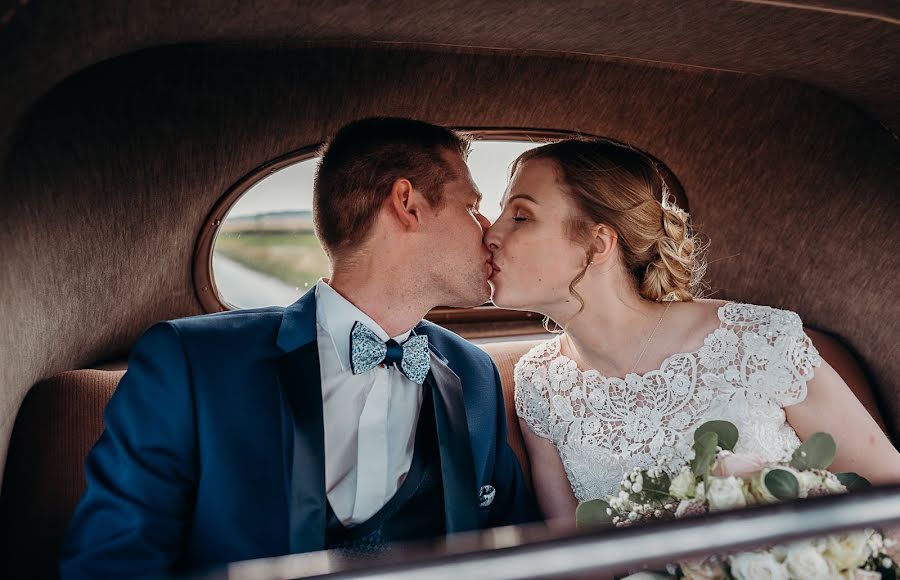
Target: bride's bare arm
(551, 484)
(831, 406)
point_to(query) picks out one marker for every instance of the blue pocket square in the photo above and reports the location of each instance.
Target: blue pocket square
(486, 495)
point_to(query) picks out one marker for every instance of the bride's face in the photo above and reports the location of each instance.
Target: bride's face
(534, 258)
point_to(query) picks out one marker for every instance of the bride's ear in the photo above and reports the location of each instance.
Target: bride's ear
(604, 240)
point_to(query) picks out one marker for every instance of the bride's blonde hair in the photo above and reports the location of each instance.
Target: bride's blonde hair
(616, 185)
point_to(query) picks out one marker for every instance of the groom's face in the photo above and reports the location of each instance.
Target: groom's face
(459, 261)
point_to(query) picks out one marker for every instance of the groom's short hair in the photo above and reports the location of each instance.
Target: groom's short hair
(360, 164)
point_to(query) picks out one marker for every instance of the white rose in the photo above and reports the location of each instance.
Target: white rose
(725, 493)
(757, 566)
(805, 563)
(683, 486)
(647, 576)
(700, 492)
(847, 551)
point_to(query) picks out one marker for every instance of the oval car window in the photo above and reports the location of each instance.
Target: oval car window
(266, 252)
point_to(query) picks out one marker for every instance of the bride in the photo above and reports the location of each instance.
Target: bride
(585, 239)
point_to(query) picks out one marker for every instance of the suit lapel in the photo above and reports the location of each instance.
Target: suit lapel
(457, 464)
(300, 381)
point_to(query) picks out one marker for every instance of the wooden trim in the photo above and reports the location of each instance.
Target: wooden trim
(484, 313)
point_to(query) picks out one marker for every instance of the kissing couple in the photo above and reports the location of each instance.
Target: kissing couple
(345, 421)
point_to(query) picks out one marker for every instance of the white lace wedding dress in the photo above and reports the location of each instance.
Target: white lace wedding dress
(752, 366)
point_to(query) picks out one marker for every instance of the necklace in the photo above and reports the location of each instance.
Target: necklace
(649, 338)
(640, 355)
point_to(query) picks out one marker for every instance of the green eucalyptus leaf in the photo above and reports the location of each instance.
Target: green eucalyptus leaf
(782, 484)
(705, 450)
(725, 430)
(852, 481)
(817, 452)
(593, 513)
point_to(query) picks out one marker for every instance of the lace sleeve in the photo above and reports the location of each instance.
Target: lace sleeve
(532, 396)
(795, 358)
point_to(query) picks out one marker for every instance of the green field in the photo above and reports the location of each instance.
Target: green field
(295, 258)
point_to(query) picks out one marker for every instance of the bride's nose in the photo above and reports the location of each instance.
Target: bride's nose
(492, 239)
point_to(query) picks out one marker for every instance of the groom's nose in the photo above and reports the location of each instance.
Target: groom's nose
(485, 223)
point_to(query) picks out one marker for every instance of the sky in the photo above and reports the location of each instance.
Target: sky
(291, 187)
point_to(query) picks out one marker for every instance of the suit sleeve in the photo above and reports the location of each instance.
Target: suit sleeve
(513, 504)
(132, 518)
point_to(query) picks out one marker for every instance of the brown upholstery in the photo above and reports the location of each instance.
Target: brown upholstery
(62, 418)
(102, 202)
(505, 355)
(58, 423)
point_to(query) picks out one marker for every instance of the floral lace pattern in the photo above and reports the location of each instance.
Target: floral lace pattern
(754, 364)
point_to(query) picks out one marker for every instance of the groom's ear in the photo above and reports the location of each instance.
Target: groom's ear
(405, 205)
(604, 240)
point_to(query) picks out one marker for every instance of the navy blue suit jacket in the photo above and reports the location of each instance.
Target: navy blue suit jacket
(214, 451)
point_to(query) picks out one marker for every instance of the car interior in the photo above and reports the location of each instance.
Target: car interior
(128, 131)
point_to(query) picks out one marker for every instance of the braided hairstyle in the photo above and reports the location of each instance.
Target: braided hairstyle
(616, 185)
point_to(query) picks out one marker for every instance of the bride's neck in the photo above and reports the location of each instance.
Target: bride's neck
(610, 331)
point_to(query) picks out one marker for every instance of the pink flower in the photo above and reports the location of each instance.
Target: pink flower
(738, 464)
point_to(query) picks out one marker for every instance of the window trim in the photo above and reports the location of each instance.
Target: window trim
(478, 319)
(204, 279)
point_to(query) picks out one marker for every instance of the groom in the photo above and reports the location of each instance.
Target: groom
(341, 421)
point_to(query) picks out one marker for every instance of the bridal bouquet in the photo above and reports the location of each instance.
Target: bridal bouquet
(718, 479)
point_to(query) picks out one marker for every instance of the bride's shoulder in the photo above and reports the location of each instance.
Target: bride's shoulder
(706, 317)
(770, 320)
(539, 355)
(695, 319)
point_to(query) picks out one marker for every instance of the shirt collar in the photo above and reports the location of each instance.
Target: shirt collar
(336, 315)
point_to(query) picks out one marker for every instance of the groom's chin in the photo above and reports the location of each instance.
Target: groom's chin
(479, 294)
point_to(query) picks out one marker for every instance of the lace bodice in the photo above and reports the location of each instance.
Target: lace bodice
(754, 364)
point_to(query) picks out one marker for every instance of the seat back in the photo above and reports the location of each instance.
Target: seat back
(58, 423)
(505, 356)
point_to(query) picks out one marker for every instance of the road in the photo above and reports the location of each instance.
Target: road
(245, 288)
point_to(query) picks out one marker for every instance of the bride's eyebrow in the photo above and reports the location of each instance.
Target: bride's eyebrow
(524, 196)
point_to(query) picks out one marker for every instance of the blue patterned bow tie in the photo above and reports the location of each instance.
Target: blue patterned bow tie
(367, 351)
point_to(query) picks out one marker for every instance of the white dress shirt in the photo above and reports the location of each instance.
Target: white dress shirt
(370, 418)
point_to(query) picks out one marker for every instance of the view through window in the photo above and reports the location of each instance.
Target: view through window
(266, 252)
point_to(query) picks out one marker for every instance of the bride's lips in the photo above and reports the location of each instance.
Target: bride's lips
(494, 268)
